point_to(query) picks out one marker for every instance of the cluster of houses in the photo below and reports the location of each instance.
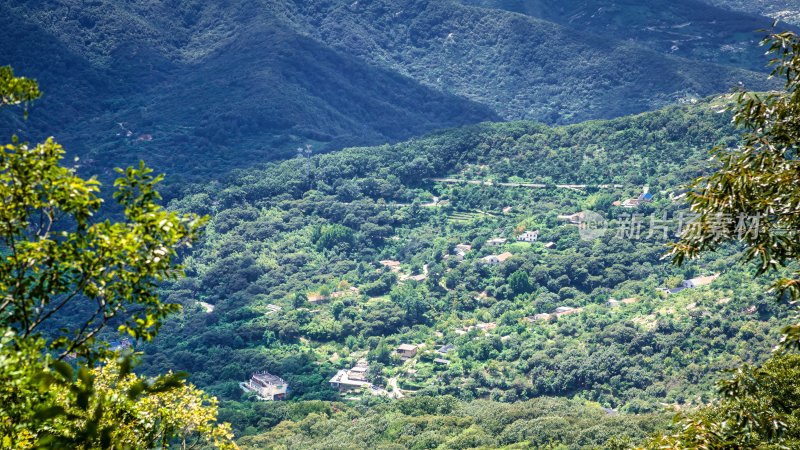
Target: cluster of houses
(686, 284)
(460, 251)
(444, 350)
(266, 386)
(269, 387)
(394, 266)
(566, 310)
(408, 351)
(355, 378)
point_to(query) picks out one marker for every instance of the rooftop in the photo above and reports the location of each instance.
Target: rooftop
(342, 378)
(573, 218)
(702, 281)
(268, 378)
(497, 240)
(504, 256)
(446, 348)
(540, 316)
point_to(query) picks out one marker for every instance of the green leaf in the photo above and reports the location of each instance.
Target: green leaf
(63, 369)
(50, 412)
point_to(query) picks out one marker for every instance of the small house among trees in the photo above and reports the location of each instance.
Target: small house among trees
(445, 349)
(494, 260)
(406, 351)
(266, 386)
(691, 283)
(354, 378)
(529, 236)
(699, 281)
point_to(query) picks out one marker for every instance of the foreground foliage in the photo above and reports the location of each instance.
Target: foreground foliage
(46, 403)
(758, 405)
(446, 423)
(758, 409)
(66, 276)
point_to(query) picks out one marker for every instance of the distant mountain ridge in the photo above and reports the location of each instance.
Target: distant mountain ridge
(787, 11)
(522, 66)
(685, 28)
(198, 88)
(252, 96)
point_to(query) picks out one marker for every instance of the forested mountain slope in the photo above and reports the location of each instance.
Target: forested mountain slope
(685, 28)
(522, 66)
(195, 92)
(372, 220)
(785, 10)
(196, 88)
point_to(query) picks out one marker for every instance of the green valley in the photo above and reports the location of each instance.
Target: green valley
(405, 224)
(406, 263)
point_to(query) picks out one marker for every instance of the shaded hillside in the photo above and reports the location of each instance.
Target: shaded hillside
(685, 28)
(210, 98)
(236, 110)
(522, 66)
(197, 88)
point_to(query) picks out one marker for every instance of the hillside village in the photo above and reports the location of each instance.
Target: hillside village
(458, 224)
(347, 278)
(417, 362)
